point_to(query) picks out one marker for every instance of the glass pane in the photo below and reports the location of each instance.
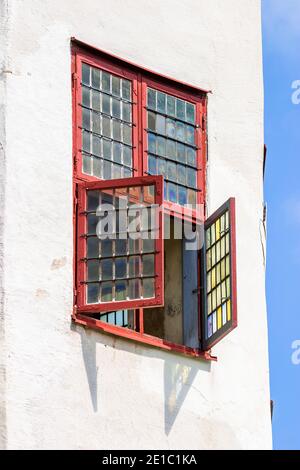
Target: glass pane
(148, 288)
(120, 268)
(151, 98)
(160, 124)
(151, 121)
(116, 130)
(121, 292)
(92, 247)
(148, 245)
(151, 143)
(121, 247)
(126, 89)
(171, 105)
(106, 291)
(181, 153)
(180, 131)
(171, 128)
(96, 100)
(106, 100)
(161, 166)
(117, 152)
(96, 123)
(161, 102)
(180, 109)
(190, 112)
(92, 200)
(86, 164)
(86, 74)
(148, 265)
(191, 156)
(93, 270)
(171, 149)
(172, 192)
(190, 134)
(105, 81)
(172, 171)
(181, 174)
(97, 167)
(95, 78)
(116, 86)
(86, 118)
(191, 196)
(182, 195)
(106, 269)
(86, 96)
(96, 145)
(161, 145)
(191, 177)
(134, 266)
(152, 165)
(92, 222)
(106, 131)
(86, 141)
(126, 112)
(134, 289)
(92, 293)
(107, 148)
(116, 108)
(127, 134)
(126, 156)
(106, 247)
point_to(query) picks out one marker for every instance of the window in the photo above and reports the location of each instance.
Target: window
(139, 144)
(119, 245)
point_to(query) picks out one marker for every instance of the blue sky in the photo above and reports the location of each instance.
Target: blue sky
(281, 44)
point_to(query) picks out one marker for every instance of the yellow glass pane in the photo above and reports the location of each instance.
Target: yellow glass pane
(213, 278)
(228, 310)
(223, 272)
(219, 317)
(218, 229)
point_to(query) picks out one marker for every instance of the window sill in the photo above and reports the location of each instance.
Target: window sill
(141, 338)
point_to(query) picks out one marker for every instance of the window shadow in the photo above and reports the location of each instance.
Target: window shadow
(178, 379)
(179, 372)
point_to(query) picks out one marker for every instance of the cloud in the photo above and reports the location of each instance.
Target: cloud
(281, 23)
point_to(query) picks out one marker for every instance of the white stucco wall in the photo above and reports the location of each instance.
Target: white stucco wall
(66, 387)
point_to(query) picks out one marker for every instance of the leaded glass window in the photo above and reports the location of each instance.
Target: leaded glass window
(219, 262)
(106, 104)
(121, 242)
(171, 149)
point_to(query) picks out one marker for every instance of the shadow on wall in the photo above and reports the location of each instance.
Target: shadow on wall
(178, 379)
(179, 372)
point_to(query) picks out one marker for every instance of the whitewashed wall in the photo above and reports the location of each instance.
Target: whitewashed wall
(66, 387)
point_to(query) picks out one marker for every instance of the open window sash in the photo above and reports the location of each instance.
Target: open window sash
(219, 312)
(120, 244)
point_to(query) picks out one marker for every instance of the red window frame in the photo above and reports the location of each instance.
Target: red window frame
(157, 300)
(141, 78)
